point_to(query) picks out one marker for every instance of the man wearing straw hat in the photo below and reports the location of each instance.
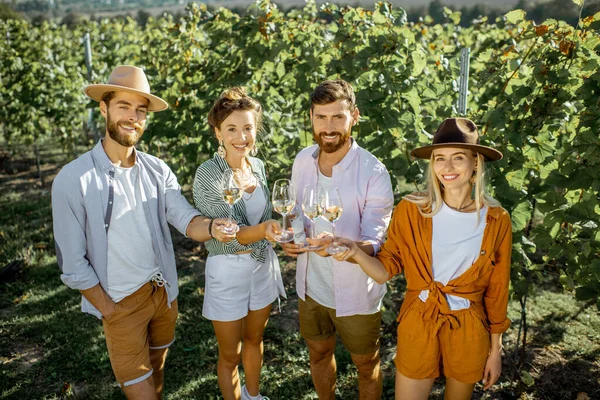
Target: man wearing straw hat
(111, 208)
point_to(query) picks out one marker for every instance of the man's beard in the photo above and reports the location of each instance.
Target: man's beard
(127, 140)
(331, 147)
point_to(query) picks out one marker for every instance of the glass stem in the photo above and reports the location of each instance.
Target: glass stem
(333, 232)
(284, 225)
(314, 228)
(230, 219)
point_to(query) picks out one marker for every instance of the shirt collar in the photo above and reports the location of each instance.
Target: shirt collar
(495, 212)
(348, 158)
(100, 155)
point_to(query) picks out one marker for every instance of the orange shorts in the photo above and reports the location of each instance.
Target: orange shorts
(142, 321)
(425, 347)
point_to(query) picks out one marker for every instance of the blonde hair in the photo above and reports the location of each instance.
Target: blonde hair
(234, 99)
(430, 201)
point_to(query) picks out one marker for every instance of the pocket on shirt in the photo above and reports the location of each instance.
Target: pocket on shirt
(486, 269)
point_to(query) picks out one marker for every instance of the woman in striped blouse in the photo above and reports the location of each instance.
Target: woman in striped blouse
(242, 271)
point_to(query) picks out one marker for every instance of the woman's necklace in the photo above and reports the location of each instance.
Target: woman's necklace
(458, 209)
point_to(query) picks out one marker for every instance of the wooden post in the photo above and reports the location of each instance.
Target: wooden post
(463, 87)
(88, 63)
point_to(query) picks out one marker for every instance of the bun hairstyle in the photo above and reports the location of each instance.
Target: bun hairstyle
(234, 99)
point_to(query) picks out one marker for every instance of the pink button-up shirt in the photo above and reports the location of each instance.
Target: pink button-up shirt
(367, 197)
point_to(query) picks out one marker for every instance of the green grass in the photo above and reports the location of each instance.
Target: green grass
(49, 349)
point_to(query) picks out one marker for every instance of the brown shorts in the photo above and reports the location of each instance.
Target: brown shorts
(359, 333)
(426, 346)
(140, 322)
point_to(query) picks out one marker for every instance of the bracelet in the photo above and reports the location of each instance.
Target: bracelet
(210, 224)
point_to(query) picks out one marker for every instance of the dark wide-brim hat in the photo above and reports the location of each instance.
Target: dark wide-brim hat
(126, 78)
(457, 132)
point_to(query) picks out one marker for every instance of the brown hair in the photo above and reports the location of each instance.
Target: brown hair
(107, 97)
(234, 99)
(330, 91)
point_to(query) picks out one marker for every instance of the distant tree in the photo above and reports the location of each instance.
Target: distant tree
(40, 18)
(559, 9)
(436, 10)
(32, 5)
(142, 17)
(71, 20)
(414, 13)
(522, 5)
(7, 12)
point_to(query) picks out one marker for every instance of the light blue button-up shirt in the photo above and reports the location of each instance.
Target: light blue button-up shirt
(82, 202)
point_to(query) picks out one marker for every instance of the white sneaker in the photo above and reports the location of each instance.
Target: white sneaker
(247, 396)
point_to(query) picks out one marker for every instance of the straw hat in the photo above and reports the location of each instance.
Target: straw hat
(457, 132)
(126, 78)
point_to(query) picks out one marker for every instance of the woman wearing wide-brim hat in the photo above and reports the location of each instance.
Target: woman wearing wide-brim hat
(453, 241)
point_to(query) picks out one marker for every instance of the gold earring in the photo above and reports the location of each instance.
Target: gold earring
(472, 180)
(254, 151)
(221, 150)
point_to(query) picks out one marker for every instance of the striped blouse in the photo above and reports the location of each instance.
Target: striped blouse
(208, 199)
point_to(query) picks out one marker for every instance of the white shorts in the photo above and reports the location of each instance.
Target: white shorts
(237, 283)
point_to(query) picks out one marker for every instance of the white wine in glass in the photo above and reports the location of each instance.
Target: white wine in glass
(312, 209)
(331, 204)
(284, 200)
(232, 192)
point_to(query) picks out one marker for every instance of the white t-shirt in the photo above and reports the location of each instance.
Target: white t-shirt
(455, 246)
(319, 277)
(131, 259)
(255, 204)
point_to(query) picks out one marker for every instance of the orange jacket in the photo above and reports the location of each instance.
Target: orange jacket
(485, 284)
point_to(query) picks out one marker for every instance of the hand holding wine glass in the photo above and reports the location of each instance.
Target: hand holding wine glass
(311, 207)
(331, 204)
(232, 192)
(284, 200)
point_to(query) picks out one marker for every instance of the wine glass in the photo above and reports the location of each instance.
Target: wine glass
(232, 192)
(331, 205)
(296, 219)
(284, 199)
(312, 209)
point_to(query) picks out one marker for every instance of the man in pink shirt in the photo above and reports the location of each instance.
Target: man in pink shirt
(338, 296)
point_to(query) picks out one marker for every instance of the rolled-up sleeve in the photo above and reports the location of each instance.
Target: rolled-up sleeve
(69, 221)
(377, 209)
(390, 255)
(496, 295)
(179, 211)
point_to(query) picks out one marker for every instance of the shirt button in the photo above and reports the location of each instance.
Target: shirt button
(106, 225)
(110, 202)
(482, 252)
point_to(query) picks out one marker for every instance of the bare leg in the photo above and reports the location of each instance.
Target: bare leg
(323, 367)
(229, 338)
(456, 390)
(253, 326)
(157, 359)
(370, 381)
(412, 389)
(143, 390)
